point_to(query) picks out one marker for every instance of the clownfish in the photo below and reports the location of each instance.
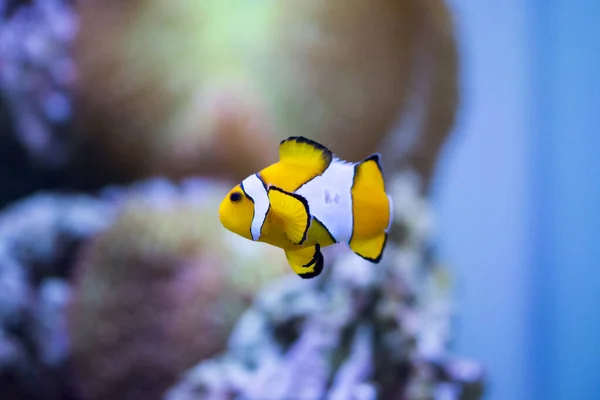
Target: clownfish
(311, 199)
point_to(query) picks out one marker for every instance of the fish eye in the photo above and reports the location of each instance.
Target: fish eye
(235, 197)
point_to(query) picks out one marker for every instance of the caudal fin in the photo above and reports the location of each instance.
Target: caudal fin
(371, 209)
(370, 249)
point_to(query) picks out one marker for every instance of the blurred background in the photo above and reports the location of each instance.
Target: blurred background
(122, 125)
(517, 196)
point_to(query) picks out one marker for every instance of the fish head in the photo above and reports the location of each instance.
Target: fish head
(236, 212)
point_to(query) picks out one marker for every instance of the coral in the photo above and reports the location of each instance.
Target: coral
(116, 296)
(36, 74)
(184, 88)
(122, 291)
(160, 289)
(427, 117)
(37, 239)
(362, 77)
(168, 105)
(358, 331)
(180, 89)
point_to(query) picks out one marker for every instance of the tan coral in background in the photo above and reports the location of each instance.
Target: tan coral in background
(158, 291)
(180, 88)
(146, 104)
(347, 64)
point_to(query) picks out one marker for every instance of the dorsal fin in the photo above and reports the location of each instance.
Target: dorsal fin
(306, 153)
(300, 160)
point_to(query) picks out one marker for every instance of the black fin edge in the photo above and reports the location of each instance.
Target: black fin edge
(301, 139)
(318, 260)
(377, 158)
(326, 230)
(373, 157)
(260, 178)
(306, 207)
(378, 259)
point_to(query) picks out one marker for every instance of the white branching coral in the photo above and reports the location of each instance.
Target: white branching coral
(359, 331)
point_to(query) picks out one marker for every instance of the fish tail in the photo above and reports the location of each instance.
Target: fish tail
(371, 210)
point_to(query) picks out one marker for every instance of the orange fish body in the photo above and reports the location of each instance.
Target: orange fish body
(310, 199)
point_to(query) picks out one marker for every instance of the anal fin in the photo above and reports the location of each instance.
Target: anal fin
(370, 249)
(307, 262)
(320, 234)
(293, 211)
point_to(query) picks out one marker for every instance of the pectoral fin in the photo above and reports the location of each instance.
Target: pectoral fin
(293, 211)
(307, 262)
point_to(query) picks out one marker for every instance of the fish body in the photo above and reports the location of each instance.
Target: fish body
(311, 199)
